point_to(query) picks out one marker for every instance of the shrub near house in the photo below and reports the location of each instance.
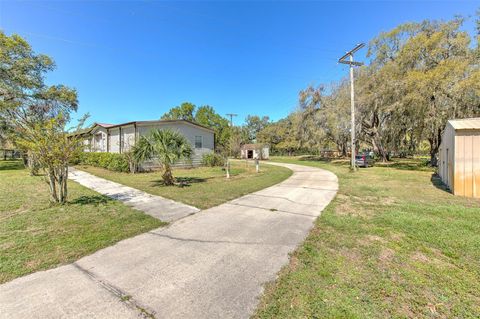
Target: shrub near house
(111, 161)
(213, 160)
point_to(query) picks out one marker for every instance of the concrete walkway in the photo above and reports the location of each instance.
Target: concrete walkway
(161, 208)
(213, 264)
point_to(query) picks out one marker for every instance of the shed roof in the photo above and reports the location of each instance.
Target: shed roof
(466, 124)
(253, 146)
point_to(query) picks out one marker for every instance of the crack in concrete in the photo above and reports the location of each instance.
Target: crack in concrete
(306, 187)
(284, 198)
(124, 297)
(271, 210)
(219, 241)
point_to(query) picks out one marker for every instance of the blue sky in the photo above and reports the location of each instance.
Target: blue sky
(135, 60)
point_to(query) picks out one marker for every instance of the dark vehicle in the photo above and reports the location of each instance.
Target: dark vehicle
(364, 160)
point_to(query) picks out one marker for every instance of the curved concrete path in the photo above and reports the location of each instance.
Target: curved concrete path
(213, 264)
(159, 207)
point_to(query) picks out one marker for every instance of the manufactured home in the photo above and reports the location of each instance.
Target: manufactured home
(119, 138)
(459, 157)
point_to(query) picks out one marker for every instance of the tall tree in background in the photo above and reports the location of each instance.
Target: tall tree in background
(206, 116)
(420, 76)
(184, 111)
(282, 136)
(431, 60)
(255, 124)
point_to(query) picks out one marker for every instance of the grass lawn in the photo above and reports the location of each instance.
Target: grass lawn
(392, 244)
(204, 187)
(35, 235)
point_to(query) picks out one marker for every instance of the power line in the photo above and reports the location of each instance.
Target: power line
(231, 118)
(352, 63)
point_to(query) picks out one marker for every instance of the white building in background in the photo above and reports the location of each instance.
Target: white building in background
(255, 151)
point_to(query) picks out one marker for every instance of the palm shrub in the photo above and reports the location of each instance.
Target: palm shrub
(164, 146)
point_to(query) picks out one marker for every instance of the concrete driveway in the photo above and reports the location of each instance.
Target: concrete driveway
(213, 264)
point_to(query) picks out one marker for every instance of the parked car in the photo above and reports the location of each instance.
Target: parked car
(364, 160)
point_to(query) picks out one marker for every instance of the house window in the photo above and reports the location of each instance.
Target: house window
(198, 141)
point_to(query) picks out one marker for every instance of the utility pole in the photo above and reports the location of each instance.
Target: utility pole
(352, 96)
(231, 118)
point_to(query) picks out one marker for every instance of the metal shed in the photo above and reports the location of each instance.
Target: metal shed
(459, 157)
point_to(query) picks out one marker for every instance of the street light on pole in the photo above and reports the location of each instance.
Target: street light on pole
(352, 63)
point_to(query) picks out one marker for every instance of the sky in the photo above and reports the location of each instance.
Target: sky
(135, 60)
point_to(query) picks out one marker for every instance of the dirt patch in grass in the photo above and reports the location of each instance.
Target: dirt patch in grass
(369, 240)
(386, 255)
(352, 255)
(420, 257)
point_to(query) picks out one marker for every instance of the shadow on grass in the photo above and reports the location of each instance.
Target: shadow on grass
(91, 200)
(329, 160)
(408, 165)
(181, 181)
(11, 165)
(401, 164)
(315, 158)
(437, 182)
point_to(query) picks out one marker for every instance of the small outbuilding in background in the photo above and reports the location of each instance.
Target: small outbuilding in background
(252, 151)
(459, 157)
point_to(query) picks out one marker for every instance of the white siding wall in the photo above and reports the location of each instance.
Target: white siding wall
(128, 137)
(446, 156)
(114, 146)
(265, 153)
(189, 131)
(100, 140)
(459, 161)
(467, 163)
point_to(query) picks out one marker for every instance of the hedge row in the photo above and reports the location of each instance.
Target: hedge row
(213, 159)
(111, 161)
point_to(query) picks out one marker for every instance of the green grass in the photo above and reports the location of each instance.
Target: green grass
(392, 244)
(202, 187)
(35, 235)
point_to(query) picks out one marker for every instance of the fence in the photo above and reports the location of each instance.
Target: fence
(10, 154)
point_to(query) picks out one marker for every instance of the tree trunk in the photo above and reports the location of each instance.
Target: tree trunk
(434, 147)
(32, 164)
(62, 184)
(167, 176)
(378, 148)
(433, 159)
(52, 183)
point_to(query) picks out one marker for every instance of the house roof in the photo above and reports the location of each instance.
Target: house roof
(466, 124)
(105, 125)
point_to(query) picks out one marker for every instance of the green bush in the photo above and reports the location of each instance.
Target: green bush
(213, 159)
(111, 161)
